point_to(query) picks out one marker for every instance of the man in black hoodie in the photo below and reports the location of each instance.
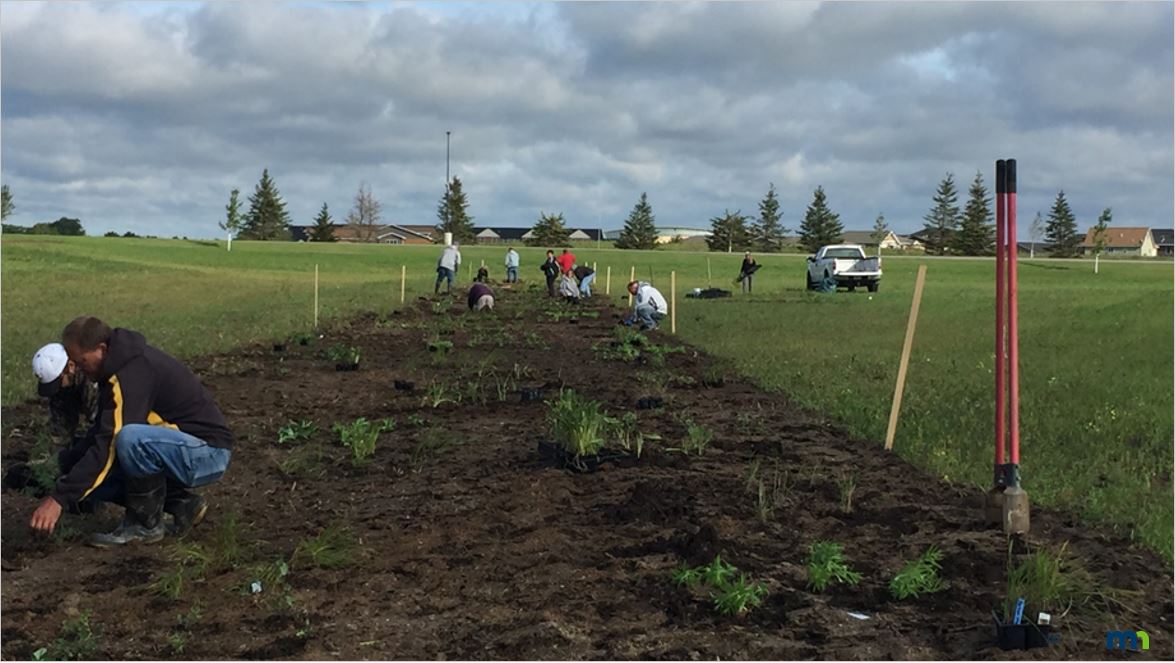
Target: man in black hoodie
(158, 434)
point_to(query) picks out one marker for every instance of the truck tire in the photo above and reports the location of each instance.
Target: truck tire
(873, 286)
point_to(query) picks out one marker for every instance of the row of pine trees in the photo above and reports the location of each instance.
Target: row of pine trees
(969, 231)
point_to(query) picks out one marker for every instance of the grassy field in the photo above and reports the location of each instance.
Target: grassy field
(1096, 350)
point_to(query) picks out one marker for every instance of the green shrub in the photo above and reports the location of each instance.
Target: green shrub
(919, 576)
(826, 563)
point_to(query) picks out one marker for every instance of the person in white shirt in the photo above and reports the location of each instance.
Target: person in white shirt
(511, 265)
(649, 305)
(447, 268)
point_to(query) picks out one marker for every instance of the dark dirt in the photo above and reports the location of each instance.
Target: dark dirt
(471, 546)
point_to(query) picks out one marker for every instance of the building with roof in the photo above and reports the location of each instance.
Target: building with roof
(865, 238)
(1164, 241)
(378, 234)
(1122, 241)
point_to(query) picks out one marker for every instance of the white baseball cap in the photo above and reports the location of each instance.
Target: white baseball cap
(48, 364)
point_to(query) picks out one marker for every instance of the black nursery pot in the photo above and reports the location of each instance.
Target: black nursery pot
(347, 367)
(304, 341)
(531, 395)
(649, 403)
(1010, 636)
(1037, 635)
(558, 456)
(279, 347)
(403, 385)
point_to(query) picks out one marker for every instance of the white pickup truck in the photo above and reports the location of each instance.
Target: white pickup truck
(847, 264)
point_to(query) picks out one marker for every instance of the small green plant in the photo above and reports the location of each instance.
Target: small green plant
(343, 354)
(333, 548)
(415, 421)
(713, 376)
(360, 437)
(192, 617)
(438, 394)
(296, 431)
(752, 479)
(1052, 580)
(628, 434)
(42, 464)
(474, 393)
(656, 382)
(504, 386)
(847, 485)
(577, 424)
(439, 346)
(177, 641)
(78, 642)
(302, 338)
(697, 438)
(431, 444)
(656, 354)
(732, 595)
(521, 373)
(303, 462)
(919, 576)
(826, 563)
(739, 596)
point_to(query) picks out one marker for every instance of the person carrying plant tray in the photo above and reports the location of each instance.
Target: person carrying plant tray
(481, 297)
(158, 434)
(747, 271)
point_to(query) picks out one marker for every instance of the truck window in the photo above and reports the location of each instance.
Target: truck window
(844, 253)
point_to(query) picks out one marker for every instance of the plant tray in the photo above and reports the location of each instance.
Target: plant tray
(1010, 637)
(558, 456)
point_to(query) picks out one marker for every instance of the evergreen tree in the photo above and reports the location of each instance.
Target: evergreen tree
(880, 230)
(323, 229)
(821, 226)
(364, 216)
(6, 206)
(943, 218)
(729, 233)
(976, 236)
(453, 214)
(267, 217)
(640, 230)
(232, 220)
(1061, 229)
(549, 230)
(768, 232)
(1099, 231)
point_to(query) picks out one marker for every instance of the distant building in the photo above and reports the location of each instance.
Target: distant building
(666, 234)
(1164, 241)
(379, 234)
(865, 238)
(502, 235)
(1123, 241)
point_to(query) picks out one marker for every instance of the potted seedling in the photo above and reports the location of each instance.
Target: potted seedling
(1037, 584)
(345, 357)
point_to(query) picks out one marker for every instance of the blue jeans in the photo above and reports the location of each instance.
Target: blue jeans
(511, 275)
(142, 450)
(585, 288)
(443, 273)
(648, 315)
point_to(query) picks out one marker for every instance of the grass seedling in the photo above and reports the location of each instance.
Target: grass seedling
(753, 476)
(78, 642)
(1051, 580)
(305, 461)
(627, 432)
(415, 421)
(439, 346)
(333, 548)
(919, 576)
(438, 394)
(697, 438)
(504, 386)
(739, 596)
(826, 563)
(732, 595)
(577, 423)
(847, 485)
(177, 642)
(431, 444)
(296, 431)
(360, 437)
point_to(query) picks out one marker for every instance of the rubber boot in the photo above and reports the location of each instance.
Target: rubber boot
(187, 509)
(143, 522)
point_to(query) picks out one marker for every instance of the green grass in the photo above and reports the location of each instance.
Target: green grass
(1096, 350)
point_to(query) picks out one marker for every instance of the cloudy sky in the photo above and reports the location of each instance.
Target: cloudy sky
(143, 116)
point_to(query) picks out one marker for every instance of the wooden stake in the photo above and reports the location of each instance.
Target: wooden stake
(608, 282)
(709, 276)
(403, 279)
(631, 278)
(672, 302)
(316, 295)
(909, 342)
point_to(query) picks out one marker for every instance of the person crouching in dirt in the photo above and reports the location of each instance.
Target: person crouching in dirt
(550, 269)
(73, 409)
(568, 289)
(158, 435)
(483, 275)
(747, 271)
(447, 266)
(585, 275)
(649, 305)
(481, 297)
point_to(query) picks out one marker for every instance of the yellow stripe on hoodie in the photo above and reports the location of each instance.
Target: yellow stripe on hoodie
(117, 390)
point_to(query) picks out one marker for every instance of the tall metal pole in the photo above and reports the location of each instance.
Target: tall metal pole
(447, 159)
(448, 202)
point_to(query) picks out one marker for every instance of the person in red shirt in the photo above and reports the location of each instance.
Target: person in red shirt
(566, 261)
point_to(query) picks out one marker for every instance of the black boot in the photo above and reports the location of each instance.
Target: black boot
(187, 509)
(143, 522)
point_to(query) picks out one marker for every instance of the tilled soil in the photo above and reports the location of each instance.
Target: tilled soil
(470, 545)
